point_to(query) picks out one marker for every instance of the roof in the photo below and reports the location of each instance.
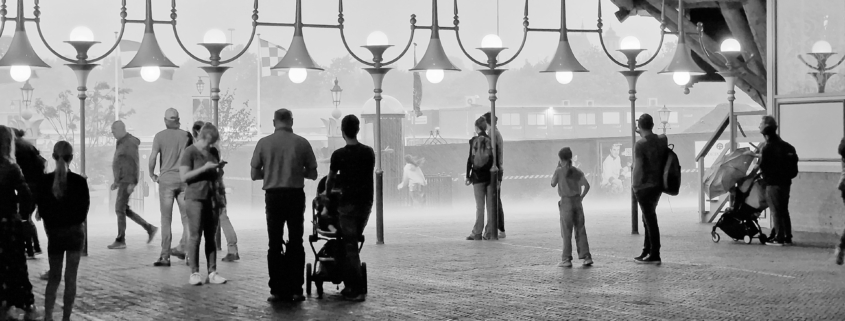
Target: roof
(710, 121)
(389, 106)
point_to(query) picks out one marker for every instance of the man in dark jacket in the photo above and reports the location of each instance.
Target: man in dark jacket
(775, 155)
(32, 165)
(649, 160)
(126, 170)
(840, 250)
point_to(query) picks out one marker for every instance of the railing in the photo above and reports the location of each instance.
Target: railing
(705, 215)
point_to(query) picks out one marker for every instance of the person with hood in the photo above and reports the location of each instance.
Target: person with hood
(168, 145)
(414, 178)
(125, 168)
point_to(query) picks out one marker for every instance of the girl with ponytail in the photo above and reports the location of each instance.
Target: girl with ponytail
(63, 202)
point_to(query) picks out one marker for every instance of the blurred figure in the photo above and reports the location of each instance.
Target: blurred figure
(414, 179)
(500, 159)
(168, 146)
(126, 171)
(63, 201)
(220, 208)
(198, 168)
(15, 289)
(572, 187)
(32, 165)
(611, 170)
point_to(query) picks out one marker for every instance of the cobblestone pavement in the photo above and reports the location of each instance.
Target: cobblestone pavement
(427, 271)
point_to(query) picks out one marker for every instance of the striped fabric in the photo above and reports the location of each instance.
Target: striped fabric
(270, 54)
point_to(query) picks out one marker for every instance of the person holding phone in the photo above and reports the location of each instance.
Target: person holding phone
(199, 169)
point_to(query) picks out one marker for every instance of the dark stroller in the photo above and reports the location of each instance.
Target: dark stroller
(328, 262)
(740, 220)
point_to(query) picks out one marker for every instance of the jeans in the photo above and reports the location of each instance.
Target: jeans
(59, 238)
(201, 222)
(483, 195)
(121, 207)
(285, 262)
(648, 199)
(353, 219)
(777, 196)
(228, 231)
(168, 191)
(572, 219)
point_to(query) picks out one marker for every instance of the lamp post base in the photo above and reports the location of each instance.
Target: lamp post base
(379, 207)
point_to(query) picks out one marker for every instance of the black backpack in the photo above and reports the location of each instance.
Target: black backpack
(790, 161)
(671, 172)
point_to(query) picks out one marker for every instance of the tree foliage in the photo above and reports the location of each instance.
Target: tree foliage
(237, 125)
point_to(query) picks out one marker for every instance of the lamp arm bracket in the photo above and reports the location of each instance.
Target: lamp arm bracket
(543, 30)
(604, 48)
(305, 25)
(2, 25)
(656, 52)
(461, 45)
(805, 62)
(246, 48)
(136, 21)
(188, 52)
(41, 35)
(423, 27)
(837, 64)
(275, 24)
(349, 50)
(408, 45)
(583, 30)
(114, 46)
(521, 46)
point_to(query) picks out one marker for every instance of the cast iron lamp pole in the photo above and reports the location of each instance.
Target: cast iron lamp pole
(82, 40)
(730, 51)
(377, 44)
(491, 46)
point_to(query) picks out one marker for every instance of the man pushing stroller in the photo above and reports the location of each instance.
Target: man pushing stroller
(351, 171)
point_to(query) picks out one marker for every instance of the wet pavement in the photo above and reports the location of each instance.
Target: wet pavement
(427, 271)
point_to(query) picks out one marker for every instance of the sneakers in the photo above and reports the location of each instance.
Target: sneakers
(474, 238)
(775, 243)
(214, 278)
(195, 279)
(162, 262)
(151, 233)
(231, 257)
(501, 234)
(588, 262)
(840, 256)
(117, 245)
(644, 254)
(178, 254)
(565, 263)
(648, 259)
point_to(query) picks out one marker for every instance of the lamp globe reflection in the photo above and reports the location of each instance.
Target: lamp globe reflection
(435, 76)
(20, 73)
(297, 75)
(214, 36)
(81, 33)
(630, 42)
(563, 77)
(377, 38)
(822, 46)
(730, 45)
(491, 41)
(150, 73)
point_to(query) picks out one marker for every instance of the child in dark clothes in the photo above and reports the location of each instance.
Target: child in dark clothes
(326, 207)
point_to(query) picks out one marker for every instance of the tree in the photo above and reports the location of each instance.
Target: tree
(237, 126)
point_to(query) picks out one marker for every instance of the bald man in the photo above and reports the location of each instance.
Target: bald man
(125, 169)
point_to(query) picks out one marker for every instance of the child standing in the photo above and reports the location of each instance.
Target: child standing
(569, 181)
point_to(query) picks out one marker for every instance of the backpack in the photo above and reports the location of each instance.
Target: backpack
(482, 153)
(671, 172)
(790, 162)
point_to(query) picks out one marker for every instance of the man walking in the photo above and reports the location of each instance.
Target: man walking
(355, 163)
(168, 144)
(649, 160)
(777, 157)
(283, 161)
(500, 152)
(125, 168)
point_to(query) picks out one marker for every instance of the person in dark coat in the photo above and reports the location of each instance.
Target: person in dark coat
(15, 288)
(63, 202)
(32, 165)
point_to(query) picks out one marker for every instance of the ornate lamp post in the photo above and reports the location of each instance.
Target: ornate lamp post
(336, 93)
(200, 85)
(20, 57)
(821, 51)
(377, 44)
(664, 114)
(26, 95)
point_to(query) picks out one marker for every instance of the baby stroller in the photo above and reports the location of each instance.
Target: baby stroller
(740, 220)
(328, 261)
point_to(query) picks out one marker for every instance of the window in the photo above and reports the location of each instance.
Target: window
(628, 116)
(610, 118)
(537, 119)
(652, 102)
(563, 119)
(673, 117)
(590, 103)
(510, 119)
(566, 103)
(587, 119)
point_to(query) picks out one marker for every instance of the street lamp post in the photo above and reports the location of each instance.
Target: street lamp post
(377, 44)
(664, 114)
(336, 94)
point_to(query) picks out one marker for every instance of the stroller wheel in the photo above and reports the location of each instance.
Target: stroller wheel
(747, 239)
(364, 276)
(715, 237)
(308, 279)
(763, 238)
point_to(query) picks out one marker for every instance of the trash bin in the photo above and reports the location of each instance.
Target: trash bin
(438, 192)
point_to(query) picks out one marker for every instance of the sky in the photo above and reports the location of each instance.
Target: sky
(195, 17)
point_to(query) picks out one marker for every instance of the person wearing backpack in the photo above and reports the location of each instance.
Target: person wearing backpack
(779, 165)
(479, 162)
(649, 165)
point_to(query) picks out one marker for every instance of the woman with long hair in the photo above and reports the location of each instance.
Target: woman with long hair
(478, 175)
(15, 289)
(63, 201)
(199, 168)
